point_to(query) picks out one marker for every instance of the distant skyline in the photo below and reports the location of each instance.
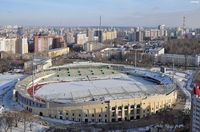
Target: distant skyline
(87, 12)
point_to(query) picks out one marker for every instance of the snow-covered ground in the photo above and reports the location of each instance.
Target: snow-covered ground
(35, 127)
(154, 128)
(57, 121)
(83, 89)
(183, 80)
(7, 83)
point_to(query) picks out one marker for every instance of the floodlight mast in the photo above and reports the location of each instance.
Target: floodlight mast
(33, 73)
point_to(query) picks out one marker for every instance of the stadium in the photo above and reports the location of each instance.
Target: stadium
(95, 92)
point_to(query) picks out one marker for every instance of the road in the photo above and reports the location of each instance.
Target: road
(6, 92)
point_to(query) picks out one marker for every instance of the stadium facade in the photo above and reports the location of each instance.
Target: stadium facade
(95, 92)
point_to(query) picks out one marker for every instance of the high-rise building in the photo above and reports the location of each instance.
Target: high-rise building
(162, 31)
(196, 110)
(81, 38)
(19, 31)
(58, 42)
(2, 44)
(147, 34)
(42, 43)
(139, 36)
(8, 45)
(69, 38)
(154, 34)
(90, 35)
(98, 34)
(132, 36)
(22, 46)
(109, 35)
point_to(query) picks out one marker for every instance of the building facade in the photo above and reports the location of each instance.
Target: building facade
(196, 110)
(109, 35)
(8, 45)
(98, 107)
(81, 38)
(42, 43)
(139, 36)
(22, 46)
(110, 111)
(58, 52)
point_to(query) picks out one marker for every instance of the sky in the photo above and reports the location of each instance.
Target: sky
(87, 12)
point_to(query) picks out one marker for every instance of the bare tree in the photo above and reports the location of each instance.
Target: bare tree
(25, 117)
(31, 120)
(6, 122)
(16, 118)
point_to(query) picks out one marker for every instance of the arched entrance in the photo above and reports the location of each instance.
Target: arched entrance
(41, 114)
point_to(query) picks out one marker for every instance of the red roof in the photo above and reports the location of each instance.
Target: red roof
(197, 90)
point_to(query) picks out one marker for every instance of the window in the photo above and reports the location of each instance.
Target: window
(120, 113)
(133, 106)
(113, 114)
(138, 106)
(138, 111)
(132, 111)
(113, 120)
(113, 108)
(119, 108)
(119, 119)
(132, 118)
(126, 107)
(138, 117)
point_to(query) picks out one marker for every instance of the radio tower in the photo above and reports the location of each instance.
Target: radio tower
(184, 27)
(99, 29)
(100, 22)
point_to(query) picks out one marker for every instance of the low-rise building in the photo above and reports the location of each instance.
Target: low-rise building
(109, 35)
(181, 60)
(57, 52)
(157, 51)
(39, 64)
(91, 46)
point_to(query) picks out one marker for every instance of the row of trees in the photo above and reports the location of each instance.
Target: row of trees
(9, 120)
(4, 66)
(183, 46)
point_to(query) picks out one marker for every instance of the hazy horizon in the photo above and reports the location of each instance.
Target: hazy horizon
(72, 13)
